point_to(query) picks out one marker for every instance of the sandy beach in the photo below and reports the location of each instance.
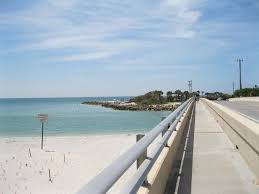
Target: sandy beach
(72, 162)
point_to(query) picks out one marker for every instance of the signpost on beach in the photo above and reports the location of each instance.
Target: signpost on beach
(43, 118)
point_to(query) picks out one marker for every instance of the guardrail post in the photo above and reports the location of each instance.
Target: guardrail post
(165, 129)
(143, 156)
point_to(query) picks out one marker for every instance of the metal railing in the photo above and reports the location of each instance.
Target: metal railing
(106, 179)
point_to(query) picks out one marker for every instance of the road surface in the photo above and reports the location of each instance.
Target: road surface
(248, 109)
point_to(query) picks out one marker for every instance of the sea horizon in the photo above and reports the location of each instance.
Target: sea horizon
(3, 98)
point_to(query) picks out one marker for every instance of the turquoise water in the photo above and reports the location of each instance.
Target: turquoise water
(68, 117)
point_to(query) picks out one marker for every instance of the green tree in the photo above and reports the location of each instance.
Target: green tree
(217, 95)
(153, 97)
(178, 95)
(245, 92)
(159, 95)
(169, 96)
(186, 95)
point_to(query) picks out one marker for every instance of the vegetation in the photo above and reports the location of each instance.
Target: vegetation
(247, 92)
(186, 95)
(156, 97)
(153, 97)
(217, 95)
(169, 96)
(178, 95)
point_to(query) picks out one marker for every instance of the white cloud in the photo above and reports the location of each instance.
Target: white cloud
(102, 26)
(63, 3)
(85, 57)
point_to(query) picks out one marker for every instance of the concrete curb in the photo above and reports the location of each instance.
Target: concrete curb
(245, 99)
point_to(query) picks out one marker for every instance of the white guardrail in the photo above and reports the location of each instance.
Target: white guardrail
(108, 177)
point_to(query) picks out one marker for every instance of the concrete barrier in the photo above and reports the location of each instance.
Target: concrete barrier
(245, 99)
(159, 173)
(243, 133)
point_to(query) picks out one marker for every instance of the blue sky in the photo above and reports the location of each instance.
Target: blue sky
(56, 48)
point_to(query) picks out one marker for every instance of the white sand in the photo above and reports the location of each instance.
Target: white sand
(85, 156)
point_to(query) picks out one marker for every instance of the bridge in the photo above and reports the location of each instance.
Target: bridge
(203, 147)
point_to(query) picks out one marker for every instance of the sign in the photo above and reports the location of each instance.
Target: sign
(43, 117)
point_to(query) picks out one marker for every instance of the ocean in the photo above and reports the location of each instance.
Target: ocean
(67, 116)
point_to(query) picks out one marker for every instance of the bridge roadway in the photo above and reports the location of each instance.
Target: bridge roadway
(248, 109)
(211, 164)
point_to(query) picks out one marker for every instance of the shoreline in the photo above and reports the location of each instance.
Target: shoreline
(75, 135)
(72, 160)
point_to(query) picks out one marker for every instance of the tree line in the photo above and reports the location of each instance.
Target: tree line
(158, 97)
(247, 92)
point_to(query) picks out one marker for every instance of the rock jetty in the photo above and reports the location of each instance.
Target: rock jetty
(132, 106)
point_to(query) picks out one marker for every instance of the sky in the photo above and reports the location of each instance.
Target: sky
(76, 48)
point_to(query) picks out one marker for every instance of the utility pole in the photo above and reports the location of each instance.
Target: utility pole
(233, 87)
(190, 86)
(240, 74)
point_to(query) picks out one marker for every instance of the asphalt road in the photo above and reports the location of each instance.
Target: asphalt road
(249, 109)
